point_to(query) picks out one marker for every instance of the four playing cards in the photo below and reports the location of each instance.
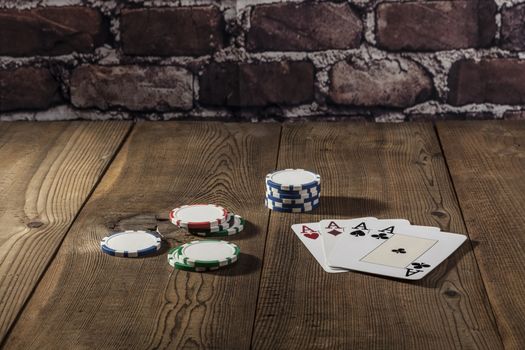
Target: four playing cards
(392, 247)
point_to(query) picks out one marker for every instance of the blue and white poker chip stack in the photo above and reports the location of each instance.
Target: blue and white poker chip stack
(293, 190)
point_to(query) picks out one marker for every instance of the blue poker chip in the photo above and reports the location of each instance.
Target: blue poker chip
(292, 196)
(293, 180)
(272, 198)
(131, 244)
(290, 206)
(291, 210)
(311, 190)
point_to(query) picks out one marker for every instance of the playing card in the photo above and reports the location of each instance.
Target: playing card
(407, 252)
(333, 229)
(368, 232)
(310, 235)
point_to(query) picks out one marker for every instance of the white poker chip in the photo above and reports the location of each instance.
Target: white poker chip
(293, 180)
(209, 253)
(131, 244)
(199, 216)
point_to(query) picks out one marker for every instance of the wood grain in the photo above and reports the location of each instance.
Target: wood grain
(91, 300)
(487, 164)
(387, 171)
(47, 170)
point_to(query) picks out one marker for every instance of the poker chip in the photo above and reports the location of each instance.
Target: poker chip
(288, 206)
(131, 244)
(199, 216)
(292, 190)
(174, 261)
(209, 253)
(292, 196)
(272, 198)
(313, 190)
(302, 209)
(293, 179)
(235, 228)
(215, 228)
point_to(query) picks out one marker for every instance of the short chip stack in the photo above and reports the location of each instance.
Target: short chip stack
(202, 256)
(207, 220)
(293, 190)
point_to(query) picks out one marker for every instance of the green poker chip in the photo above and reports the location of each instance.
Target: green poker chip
(174, 261)
(209, 253)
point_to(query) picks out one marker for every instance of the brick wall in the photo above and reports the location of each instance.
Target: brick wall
(383, 60)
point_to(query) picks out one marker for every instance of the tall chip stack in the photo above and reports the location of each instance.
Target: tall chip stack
(293, 190)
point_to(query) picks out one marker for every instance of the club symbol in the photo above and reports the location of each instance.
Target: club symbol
(420, 265)
(399, 251)
(357, 233)
(380, 236)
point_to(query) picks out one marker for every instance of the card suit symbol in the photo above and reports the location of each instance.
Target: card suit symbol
(420, 265)
(380, 236)
(312, 235)
(399, 251)
(335, 232)
(357, 233)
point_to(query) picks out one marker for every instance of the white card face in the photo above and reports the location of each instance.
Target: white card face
(360, 236)
(409, 252)
(393, 252)
(310, 235)
(334, 229)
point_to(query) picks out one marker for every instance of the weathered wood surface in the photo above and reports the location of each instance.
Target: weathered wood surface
(388, 171)
(47, 170)
(91, 300)
(487, 164)
(86, 299)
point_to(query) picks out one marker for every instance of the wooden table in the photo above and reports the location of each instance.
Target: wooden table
(65, 185)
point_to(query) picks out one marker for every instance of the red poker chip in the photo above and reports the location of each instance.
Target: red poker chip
(199, 216)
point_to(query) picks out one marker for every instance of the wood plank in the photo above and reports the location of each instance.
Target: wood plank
(388, 171)
(47, 170)
(91, 300)
(487, 164)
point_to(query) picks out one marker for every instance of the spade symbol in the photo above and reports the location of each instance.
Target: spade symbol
(357, 233)
(399, 251)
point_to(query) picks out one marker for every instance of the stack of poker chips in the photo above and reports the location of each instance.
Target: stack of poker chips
(202, 256)
(205, 220)
(293, 190)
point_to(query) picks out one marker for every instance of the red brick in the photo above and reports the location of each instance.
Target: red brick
(393, 83)
(436, 25)
(513, 28)
(263, 84)
(132, 87)
(186, 31)
(51, 31)
(28, 88)
(304, 27)
(499, 81)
